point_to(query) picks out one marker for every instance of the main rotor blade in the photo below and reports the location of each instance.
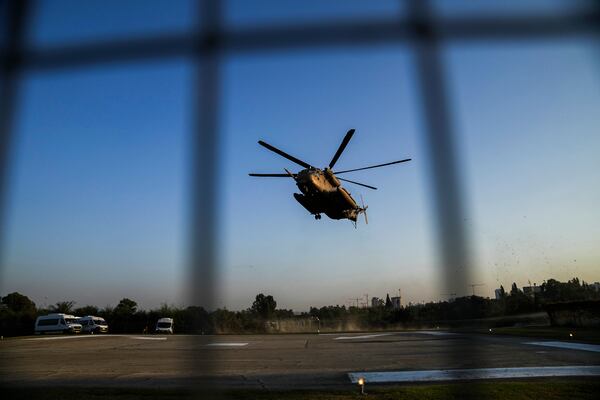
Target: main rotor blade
(284, 154)
(372, 166)
(272, 175)
(340, 149)
(356, 183)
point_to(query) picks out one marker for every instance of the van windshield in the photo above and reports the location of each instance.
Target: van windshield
(164, 325)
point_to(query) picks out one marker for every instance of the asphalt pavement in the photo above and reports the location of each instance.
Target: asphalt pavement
(281, 361)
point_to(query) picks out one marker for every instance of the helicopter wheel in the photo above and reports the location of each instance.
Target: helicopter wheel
(317, 216)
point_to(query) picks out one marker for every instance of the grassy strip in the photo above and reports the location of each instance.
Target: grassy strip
(548, 389)
(514, 390)
(585, 335)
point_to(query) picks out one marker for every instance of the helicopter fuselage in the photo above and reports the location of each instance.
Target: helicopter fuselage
(322, 193)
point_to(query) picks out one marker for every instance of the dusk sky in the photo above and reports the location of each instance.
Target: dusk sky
(98, 192)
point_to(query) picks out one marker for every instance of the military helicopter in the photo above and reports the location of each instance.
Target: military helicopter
(321, 189)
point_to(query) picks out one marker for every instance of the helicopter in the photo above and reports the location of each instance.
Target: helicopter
(321, 190)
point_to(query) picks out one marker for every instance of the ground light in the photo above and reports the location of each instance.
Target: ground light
(361, 385)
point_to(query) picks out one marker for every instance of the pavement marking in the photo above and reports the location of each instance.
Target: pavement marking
(435, 333)
(61, 337)
(225, 344)
(362, 337)
(567, 345)
(97, 336)
(476, 373)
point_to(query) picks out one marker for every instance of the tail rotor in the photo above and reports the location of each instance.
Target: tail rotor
(363, 210)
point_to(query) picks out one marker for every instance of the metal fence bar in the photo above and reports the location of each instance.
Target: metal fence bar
(440, 139)
(354, 33)
(205, 178)
(453, 256)
(10, 72)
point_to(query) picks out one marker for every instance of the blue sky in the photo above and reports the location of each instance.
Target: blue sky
(98, 192)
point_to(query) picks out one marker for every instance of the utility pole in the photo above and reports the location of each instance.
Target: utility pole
(399, 299)
(366, 300)
(476, 284)
(355, 299)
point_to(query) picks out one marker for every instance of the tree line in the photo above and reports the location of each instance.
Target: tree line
(509, 303)
(18, 312)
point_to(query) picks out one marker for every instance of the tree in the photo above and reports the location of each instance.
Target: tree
(264, 306)
(554, 291)
(63, 307)
(502, 292)
(18, 303)
(388, 301)
(18, 315)
(196, 320)
(125, 318)
(166, 311)
(514, 290)
(126, 306)
(86, 310)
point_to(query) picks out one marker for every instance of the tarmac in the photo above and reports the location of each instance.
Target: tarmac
(292, 361)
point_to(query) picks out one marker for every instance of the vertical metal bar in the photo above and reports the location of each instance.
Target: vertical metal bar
(13, 26)
(447, 191)
(10, 71)
(205, 176)
(442, 151)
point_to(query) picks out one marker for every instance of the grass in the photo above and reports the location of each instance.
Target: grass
(585, 335)
(514, 390)
(548, 389)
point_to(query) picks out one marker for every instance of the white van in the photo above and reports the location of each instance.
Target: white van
(164, 325)
(57, 323)
(92, 324)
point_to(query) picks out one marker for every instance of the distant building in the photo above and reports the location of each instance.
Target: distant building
(595, 286)
(532, 290)
(396, 302)
(498, 293)
(377, 302)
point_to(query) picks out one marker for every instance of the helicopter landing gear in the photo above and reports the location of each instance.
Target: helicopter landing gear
(317, 216)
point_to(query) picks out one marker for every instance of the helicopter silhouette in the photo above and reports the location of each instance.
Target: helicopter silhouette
(321, 190)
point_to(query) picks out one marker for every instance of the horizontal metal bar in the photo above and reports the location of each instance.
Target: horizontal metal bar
(350, 33)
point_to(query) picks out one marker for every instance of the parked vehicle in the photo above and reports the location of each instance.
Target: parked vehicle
(57, 323)
(92, 324)
(164, 325)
